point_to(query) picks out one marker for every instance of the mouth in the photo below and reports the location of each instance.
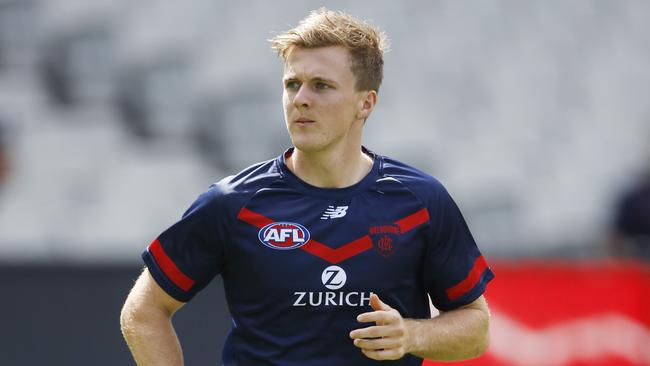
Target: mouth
(304, 121)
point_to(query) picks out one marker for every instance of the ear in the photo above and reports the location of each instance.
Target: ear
(367, 104)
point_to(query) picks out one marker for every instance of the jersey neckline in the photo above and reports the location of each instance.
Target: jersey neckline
(309, 189)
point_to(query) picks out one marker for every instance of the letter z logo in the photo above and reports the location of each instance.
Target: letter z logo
(334, 277)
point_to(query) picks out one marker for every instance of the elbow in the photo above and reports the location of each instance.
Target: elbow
(483, 338)
(133, 316)
(127, 318)
(483, 344)
(482, 334)
(138, 316)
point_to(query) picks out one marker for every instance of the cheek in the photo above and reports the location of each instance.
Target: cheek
(345, 110)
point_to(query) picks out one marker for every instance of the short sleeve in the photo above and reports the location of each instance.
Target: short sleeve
(455, 271)
(186, 256)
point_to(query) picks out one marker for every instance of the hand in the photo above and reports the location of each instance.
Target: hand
(388, 339)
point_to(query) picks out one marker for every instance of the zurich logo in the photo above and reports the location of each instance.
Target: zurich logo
(283, 235)
(334, 277)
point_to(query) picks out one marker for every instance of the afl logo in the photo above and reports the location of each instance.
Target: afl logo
(283, 235)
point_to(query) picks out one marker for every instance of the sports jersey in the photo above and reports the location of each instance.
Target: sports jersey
(299, 262)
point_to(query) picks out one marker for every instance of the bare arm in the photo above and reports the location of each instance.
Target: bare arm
(146, 324)
(454, 335)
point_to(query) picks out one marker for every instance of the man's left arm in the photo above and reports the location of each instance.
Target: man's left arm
(454, 335)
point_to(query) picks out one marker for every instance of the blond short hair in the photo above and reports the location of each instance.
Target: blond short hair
(323, 27)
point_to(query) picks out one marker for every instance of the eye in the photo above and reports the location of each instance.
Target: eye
(292, 85)
(321, 86)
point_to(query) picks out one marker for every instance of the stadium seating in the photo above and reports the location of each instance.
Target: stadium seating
(535, 121)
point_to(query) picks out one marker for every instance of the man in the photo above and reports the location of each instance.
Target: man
(329, 251)
(631, 232)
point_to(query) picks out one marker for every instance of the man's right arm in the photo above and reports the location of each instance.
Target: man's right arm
(146, 324)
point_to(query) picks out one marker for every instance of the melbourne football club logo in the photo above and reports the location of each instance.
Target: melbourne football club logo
(334, 277)
(385, 238)
(283, 235)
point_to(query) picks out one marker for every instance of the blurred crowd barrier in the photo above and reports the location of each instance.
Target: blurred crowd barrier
(558, 313)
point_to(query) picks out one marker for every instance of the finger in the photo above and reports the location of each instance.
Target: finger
(377, 304)
(377, 344)
(376, 331)
(380, 317)
(386, 354)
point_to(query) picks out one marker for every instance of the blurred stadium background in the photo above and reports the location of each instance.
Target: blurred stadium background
(115, 115)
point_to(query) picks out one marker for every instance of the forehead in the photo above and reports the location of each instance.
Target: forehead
(331, 62)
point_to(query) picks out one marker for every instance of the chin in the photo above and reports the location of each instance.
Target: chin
(308, 145)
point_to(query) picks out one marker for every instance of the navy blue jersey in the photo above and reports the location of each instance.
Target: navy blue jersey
(299, 262)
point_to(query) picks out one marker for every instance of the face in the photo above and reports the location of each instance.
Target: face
(322, 109)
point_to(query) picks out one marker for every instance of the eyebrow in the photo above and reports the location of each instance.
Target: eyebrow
(316, 78)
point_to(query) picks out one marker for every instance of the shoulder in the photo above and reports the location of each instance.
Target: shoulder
(233, 191)
(251, 179)
(420, 183)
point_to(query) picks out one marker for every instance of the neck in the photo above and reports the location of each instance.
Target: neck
(328, 169)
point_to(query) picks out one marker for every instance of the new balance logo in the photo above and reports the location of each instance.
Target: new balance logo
(334, 212)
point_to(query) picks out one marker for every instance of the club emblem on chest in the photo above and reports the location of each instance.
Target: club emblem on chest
(385, 238)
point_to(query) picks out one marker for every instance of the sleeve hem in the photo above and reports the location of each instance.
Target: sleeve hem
(165, 283)
(471, 295)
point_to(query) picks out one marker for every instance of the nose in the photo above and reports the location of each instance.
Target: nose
(302, 98)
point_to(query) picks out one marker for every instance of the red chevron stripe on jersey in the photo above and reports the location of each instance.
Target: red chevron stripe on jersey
(470, 281)
(335, 256)
(346, 251)
(254, 218)
(169, 268)
(412, 221)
